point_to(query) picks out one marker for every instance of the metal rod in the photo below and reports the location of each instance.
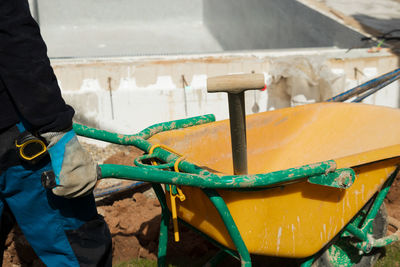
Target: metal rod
(237, 119)
(208, 180)
(362, 233)
(378, 202)
(357, 232)
(144, 134)
(115, 189)
(376, 89)
(165, 218)
(111, 97)
(365, 86)
(384, 241)
(184, 85)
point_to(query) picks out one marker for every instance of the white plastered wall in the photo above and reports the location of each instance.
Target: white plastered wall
(128, 94)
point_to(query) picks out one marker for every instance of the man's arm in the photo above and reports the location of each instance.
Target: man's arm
(26, 72)
(32, 87)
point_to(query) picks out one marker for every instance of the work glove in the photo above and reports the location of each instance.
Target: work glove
(75, 171)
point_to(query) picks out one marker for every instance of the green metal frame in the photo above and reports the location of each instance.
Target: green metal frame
(361, 226)
(322, 173)
(363, 232)
(204, 179)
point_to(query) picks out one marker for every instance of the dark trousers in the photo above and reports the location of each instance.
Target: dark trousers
(62, 232)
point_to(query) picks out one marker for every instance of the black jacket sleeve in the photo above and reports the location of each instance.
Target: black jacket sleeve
(26, 73)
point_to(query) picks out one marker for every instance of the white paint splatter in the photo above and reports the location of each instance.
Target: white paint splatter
(279, 239)
(362, 192)
(294, 240)
(265, 241)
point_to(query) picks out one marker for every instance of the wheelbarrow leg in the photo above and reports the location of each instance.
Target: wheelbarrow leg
(230, 225)
(165, 218)
(163, 239)
(308, 262)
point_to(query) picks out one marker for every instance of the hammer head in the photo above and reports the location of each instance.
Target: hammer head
(236, 83)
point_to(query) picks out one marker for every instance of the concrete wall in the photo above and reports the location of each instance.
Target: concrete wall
(129, 94)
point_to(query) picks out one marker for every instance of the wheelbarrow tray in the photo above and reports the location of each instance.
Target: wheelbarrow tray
(298, 219)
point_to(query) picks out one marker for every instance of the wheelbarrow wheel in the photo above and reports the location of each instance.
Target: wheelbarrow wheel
(341, 253)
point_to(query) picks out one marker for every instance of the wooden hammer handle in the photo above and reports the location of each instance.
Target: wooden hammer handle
(236, 83)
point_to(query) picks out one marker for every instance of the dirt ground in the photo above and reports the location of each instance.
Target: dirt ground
(133, 218)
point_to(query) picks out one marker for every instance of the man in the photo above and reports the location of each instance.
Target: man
(61, 224)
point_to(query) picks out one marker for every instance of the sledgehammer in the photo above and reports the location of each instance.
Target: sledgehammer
(235, 85)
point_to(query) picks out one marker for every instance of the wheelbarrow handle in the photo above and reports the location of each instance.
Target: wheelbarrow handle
(236, 83)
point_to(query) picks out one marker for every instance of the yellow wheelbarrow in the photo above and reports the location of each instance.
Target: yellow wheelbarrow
(312, 186)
